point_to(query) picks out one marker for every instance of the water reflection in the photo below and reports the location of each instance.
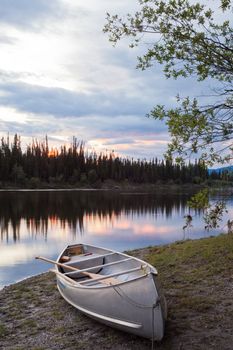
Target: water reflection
(43, 222)
(73, 209)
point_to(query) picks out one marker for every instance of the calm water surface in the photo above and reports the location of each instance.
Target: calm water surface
(43, 222)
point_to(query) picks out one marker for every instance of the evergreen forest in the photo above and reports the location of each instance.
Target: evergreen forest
(38, 165)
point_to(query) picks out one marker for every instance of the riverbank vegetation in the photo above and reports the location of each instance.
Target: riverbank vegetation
(196, 277)
(41, 166)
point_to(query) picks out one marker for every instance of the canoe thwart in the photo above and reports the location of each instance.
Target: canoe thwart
(100, 266)
(142, 267)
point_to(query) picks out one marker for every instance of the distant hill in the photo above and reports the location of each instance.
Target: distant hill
(221, 170)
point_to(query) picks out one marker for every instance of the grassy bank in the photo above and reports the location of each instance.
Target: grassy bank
(197, 277)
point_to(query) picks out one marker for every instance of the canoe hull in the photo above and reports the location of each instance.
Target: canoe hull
(134, 306)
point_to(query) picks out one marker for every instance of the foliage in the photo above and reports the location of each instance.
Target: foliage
(200, 200)
(212, 213)
(83, 179)
(92, 176)
(188, 39)
(34, 182)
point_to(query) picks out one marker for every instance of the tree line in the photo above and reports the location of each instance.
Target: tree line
(223, 175)
(39, 164)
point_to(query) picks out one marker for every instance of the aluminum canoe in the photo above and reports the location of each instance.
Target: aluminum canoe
(122, 291)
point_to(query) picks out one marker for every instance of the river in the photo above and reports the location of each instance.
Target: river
(43, 222)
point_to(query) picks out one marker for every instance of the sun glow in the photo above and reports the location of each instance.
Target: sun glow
(53, 152)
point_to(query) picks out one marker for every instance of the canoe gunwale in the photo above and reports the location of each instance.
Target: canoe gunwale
(75, 284)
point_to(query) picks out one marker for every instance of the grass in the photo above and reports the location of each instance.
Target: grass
(58, 315)
(3, 330)
(29, 323)
(192, 261)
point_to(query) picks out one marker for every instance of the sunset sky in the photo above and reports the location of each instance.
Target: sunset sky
(60, 76)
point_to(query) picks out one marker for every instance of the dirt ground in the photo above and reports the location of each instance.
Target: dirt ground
(197, 278)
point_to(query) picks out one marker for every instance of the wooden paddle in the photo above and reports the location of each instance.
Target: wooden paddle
(94, 276)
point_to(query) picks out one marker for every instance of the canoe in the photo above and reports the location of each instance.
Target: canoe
(116, 289)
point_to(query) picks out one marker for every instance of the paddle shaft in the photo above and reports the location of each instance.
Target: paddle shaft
(67, 266)
(89, 274)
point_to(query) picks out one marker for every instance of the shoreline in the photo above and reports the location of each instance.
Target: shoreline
(197, 279)
(106, 185)
(126, 187)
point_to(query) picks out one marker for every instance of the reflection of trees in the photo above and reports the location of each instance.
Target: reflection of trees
(38, 209)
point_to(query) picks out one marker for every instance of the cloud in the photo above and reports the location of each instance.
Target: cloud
(64, 103)
(27, 13)
(6, 40)
(28, 131)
